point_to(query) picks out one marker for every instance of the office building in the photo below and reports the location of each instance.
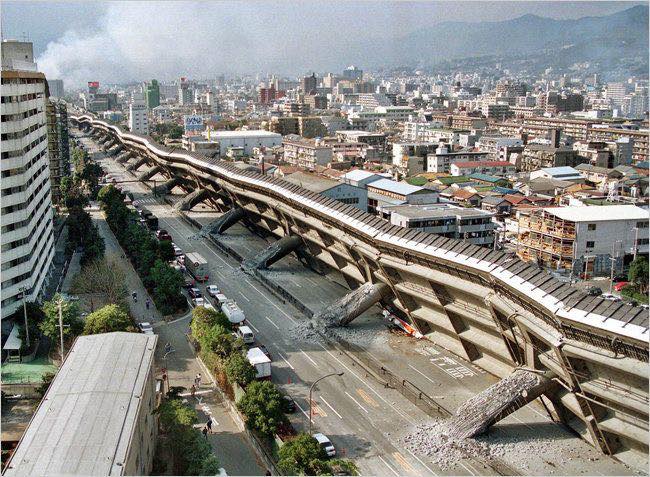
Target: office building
(442, 159)
(138, 122)
(246, 141)
(26, 215)
(309, 84)
(152, 94)
(97, 417)
(185, 93)
(56, 88)
(352, 73)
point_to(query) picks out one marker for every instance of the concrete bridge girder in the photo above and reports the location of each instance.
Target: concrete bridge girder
(192, 199)
(134, 166)
(149, 173)
(226, 221)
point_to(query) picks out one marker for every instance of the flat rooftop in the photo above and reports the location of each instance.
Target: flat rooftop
(599, 213)
(436, 211)
(311, 182)
(85, 422)
(243, 134)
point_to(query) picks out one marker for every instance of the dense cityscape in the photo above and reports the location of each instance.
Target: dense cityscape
(402, 266)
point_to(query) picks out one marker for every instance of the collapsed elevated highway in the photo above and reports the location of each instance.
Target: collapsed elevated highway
(486, 306)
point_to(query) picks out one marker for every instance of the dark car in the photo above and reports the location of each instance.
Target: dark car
(289, 404)
(594, 291)
(189, 283)
(194, 292)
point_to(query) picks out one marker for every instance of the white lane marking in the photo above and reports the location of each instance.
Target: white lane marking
(422, 374)
(207, 391)
(467, 468)
(357, 402)
(271, 321)
(251, 325)
(269, 300)
(301, 409)
(285, 360)
(328, 405)
(307, 356)
(420, 461)
(311, 281)
(404, 416)
(244, 297)
(388, 465)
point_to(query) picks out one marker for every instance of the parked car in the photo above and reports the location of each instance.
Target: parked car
(198, 301)
(162, 234)
(195, 293)
(246, 334)
(325, 443)
(289, 404)
(212, 290)
(146, 328)
(189, 283)
(610, 297)
(594, 291)
(620, 285)
(177, 250)
(621, 277)
(208, 306)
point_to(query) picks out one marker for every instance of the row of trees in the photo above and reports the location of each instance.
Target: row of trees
(262, 404)
(192, 453)
(149, 256)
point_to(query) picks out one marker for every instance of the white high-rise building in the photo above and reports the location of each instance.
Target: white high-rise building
(138, 121)
(26, 217)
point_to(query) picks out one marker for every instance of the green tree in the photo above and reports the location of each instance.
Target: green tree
(203, 319)
(94, 246)
(166, 250)
(303, 456)
(197, 451)
(167, 287)
(46, 380)
(638, 274)
(218, 340)
(174, 415)
(262, 405)
(210, 466)
(109, 194)
(35, 316)
(107, 319)
(70, 314)
(176, 132)
(239, 369)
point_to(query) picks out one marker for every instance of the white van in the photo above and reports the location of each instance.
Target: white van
(246, 334)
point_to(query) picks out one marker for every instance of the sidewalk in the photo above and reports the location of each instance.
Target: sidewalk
(228, 443)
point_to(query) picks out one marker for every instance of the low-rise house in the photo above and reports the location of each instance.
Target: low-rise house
(494, 168)
(497, 204)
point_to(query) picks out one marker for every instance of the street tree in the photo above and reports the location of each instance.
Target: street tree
(638, 274)
(210, 466)
(239, 369)
(303, 456)
(203, 319)
(167, 283)
(166, 250)
(108, 319)
(262, 405)
(72, 323)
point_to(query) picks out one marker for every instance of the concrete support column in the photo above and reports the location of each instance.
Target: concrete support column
(136, 165)
(149, 173)
(165, 187)
(346, 309)
(226, 221)
(274, 252)
(191, 199)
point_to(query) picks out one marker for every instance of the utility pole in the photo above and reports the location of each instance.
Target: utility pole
(61, 329)
(24, 290)
(311, 389)
(636, 240)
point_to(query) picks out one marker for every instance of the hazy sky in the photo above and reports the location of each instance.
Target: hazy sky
(115, 41)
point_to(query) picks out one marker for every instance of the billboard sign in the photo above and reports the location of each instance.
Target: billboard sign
(93, 84)
(193, 123)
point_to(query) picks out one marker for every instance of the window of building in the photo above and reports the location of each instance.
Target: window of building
(591, 227)
(591, 244)
(642, 225)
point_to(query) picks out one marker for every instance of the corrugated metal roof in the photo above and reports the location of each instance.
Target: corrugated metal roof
(86, 419)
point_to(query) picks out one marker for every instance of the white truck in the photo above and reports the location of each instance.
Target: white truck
(197, 266)
(234, 314)
(260, 362)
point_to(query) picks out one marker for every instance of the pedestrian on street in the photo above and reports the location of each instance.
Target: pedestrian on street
(208, 425)
(205, 432)
(197, 380)
(193, 390)
(148, 303)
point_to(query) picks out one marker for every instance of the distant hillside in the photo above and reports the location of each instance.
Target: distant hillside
(606, 40)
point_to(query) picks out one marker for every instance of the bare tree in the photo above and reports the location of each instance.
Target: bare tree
(105, 277)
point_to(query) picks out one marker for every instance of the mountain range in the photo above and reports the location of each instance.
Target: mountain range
(606, 40)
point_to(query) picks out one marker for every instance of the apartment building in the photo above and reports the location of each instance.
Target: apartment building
(537, 156)
(58, 144)
(492, 168)
(97, 417)
(138, 121)
(471, 225)
(443, 159)
(386, 192)
(498, 148)
(306, 153)
(583, 237)
(27, 235)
